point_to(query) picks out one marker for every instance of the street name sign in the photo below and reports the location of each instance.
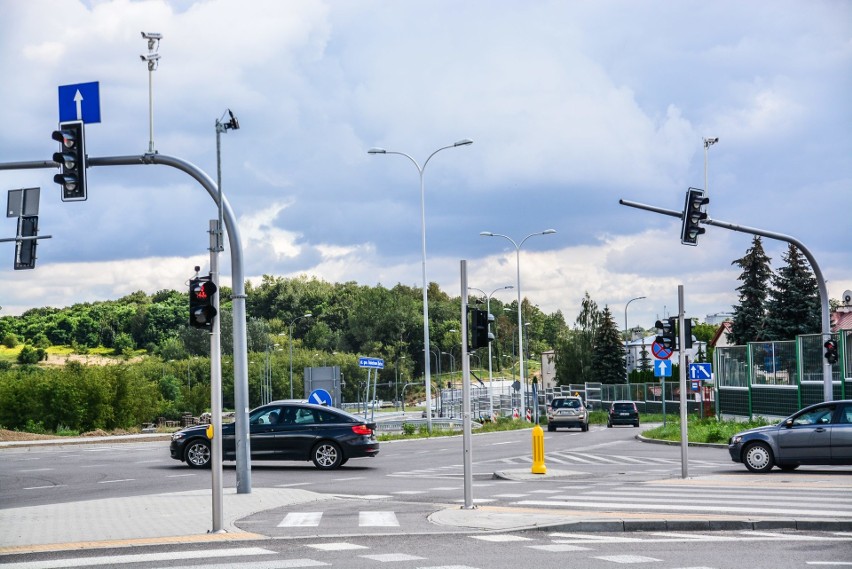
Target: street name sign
(80, 102)
(376, 363)
(662, 368)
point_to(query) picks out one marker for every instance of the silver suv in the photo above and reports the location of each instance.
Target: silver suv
(567, 412)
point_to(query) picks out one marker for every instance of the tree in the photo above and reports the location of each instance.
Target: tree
(750, 313)
(609, 361)
(794, 306)
(575, 352)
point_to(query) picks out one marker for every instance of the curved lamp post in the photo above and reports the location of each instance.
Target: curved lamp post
(627, 338)
(426, 371)
(520, 323)
(490, 376)
(290, 338)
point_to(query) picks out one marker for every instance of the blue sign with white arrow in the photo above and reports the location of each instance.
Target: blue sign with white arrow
(663, 368)
(80, 102)
(700, 371)
(320, 397)
(377, 363)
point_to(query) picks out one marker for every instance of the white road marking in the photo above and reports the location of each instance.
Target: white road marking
(377, 519)
(301, 519)
(140, 558)
(629, 559)
(336, 546)
(386, 557)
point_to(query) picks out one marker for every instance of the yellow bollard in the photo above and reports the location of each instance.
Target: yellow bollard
(538, 466)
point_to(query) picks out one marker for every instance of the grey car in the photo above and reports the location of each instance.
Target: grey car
(819, 434)
(567, 412)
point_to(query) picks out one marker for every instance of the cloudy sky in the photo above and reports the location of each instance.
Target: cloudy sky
(571, 106)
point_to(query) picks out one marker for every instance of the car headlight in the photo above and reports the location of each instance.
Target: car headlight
(178, 436)
(736, 439)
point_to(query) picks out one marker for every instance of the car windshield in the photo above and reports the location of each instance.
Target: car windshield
(566, 404)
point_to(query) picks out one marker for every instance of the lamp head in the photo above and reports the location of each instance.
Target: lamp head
(307, 315)
(486, 234)
(463, 142)
(548, 231)
(377, 151)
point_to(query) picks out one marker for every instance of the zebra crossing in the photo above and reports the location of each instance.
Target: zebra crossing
(366, 519)
(563, 458)
(613, 549)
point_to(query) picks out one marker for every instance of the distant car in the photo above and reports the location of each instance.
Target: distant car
(622, 413)
(819, 434)
(286, 430)
(567, 412)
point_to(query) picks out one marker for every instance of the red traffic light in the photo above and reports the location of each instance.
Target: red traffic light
(831, 351)
(202, 311)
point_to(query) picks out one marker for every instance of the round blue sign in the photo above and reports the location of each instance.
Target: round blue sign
(320, 397)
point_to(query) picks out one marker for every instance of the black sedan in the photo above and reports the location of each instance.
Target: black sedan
(286, 430)
(819, 434)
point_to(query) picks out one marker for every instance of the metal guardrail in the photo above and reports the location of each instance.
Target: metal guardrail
(395, 425)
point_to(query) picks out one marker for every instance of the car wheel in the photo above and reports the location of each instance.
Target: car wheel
(636, 424)
(609, 425)
(551, 428)
(197, 454)
(327, 455)
(788, 467)
(758, 457)
(585, 428)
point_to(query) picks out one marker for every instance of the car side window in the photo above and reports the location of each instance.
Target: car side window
(819, 416)
(846, 415)
(305, 416)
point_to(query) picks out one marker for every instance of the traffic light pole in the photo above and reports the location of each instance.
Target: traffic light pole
(828, 390)
(238, 294)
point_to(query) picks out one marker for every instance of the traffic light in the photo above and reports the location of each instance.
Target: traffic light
(687, 333)
(25, 251)
(831, 351)
(72, 160)
(481, 336)
(693, 214)
(201, 309)
(667, 333)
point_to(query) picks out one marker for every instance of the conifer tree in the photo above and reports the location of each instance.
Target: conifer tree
(610, 365)
(750, 313)
(793, 306)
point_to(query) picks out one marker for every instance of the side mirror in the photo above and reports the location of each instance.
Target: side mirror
(788, 423)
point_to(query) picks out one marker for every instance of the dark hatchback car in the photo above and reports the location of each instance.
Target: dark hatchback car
(819, 434)
(286, 430)
(622, 413)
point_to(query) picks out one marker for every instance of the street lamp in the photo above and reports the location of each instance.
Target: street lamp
(490, 376)
(627, 338)
(426, 371)
(290, 339)
(520, 323)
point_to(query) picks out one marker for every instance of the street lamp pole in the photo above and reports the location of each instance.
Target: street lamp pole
(627, 339)
(708, 142)
(520, 319)
(426, 371)
(290, 341)
(490, 376)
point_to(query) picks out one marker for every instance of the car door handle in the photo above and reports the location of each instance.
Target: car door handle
(819, 430)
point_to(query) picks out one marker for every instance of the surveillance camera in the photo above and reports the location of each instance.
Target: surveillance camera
(197, 269)
(152, 36)
(150, 57)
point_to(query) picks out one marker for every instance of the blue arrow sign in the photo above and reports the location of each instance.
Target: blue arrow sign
(700, 371)
(80, 102)
(377, 363)
(663, 368)
(320, 397)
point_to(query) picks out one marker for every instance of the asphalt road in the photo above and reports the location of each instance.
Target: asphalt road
(539, 549)
(55, 474)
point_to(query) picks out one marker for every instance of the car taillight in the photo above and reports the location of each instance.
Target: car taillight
(362, 430)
